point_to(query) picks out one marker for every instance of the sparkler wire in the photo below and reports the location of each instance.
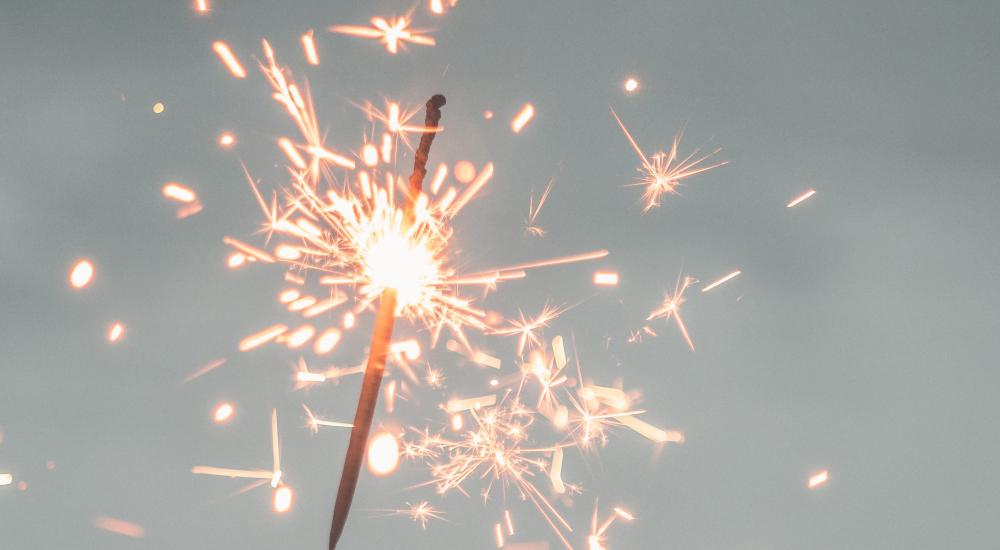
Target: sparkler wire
(381, 338)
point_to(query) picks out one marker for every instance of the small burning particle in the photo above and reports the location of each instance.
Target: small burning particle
(158, 108)
(283, 499)
(222, 413)
(300, 336)
(227, 140)
(369, 154)
(116, 333)
(631, 85)
(288, 296)
(236, 259)
(383, 454)
(523, 117)
(722, 280)
(605, 278)
(799, 199)
(226, 56)
(457, 422)
(309, 46)
(488, 114)
(81, 274)
(120, 527)
(348, 320)
(262, 337)
(465, 171)
(458, 405)
(6, 479)
(177, 192)
(202, 6)
(819, 479)
(291, 152)
(508, 522)
(326, 341)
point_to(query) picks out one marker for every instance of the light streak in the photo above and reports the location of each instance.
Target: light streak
(309, 47)
(6, 479)
(522, 118)
(204, 370)
(120, 527)
(326, 341)
(727, 278)
(393, 33)
(533, 211)
(458, 405)
(250, 251)
(663, 172)
(649, 431)
(383, 454)
(314, 423)
(555, 471)
(799, 199)
(670, 307)
(605, 278)
(508, 522)
(498, 535)
(116, 333)
(229, 59)
(819, 479)
(262, 337)
(81, 274)
(486, 360)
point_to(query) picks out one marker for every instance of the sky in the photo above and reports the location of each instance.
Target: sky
(859, 338)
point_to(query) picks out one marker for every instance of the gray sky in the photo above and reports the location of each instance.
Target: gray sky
(860, 337)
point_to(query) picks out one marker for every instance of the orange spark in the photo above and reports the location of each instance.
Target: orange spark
(631, 85)
(393, 33)
(227, 140)
(81, 274)
(533, 211)
(670, 307)
(204, 370)
(260, 338)
(201, 6)
(605, 278)
(236, 259)
(309, 46)
(383, 454)
(498, 535)
(223, 412)
(729, 277)
(487, 114)
(819, 479)
(801, 198)
(120, 527)
(522, 118)
(226, 56)
(179, 193)
(282, 499)
(326, 341)
(116, 332)
(465, 171)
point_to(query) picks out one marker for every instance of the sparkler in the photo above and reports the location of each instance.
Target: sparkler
(663, 172)
(671, 307)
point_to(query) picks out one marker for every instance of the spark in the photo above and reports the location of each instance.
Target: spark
(597, 539)
(819, 479)
(283, 497)
(533, 211)
(274, 475)
(315, 423)
(528, 329)
(727, 278)
(486, 360)
(458, 405)
(158, 108)
(663, 172)
(309, 46)
(631, 85)
(797, 200)
(605, 278)
(204, 370)
(522, 118)
(6, 479)
(670, 307)
(383, 454)
(488, 115)
(326, 341)
(223, 413)
(82, 274)
(421, 513)
(260, 338)
(394, 33)
(464, 171)
(498, 535)
(227, 140)
(229, 59)
(651, 432)
(116, 332)
(120, 527)
(202, 6)
(177, 192)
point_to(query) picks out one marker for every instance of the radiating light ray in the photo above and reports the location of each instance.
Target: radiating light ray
(533, 211)
(421, 513)
(315, 423)
(229, 59)
(670, 307)
(522, 118)
(597, 539)
(725, 279)
(528, 329)
(393, 33)
(801, 198)
(663, 172)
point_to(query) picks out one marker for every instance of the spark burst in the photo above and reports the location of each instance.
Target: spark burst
(663, 172)
(393, 33)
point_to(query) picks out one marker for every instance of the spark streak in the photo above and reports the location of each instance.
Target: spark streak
(309, 46)
(727, 278)
(393, 33)
(801, 198)
(120, 527)
(522, 118)
(229, 59)
(819, 479)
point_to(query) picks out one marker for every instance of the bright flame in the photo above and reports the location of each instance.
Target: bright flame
(407, 267)
(605, 278)
(383, 454)
(81, 274)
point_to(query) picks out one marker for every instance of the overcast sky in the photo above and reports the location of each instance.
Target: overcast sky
(860, 337)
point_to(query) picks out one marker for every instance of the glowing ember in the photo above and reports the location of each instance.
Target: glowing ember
(522, 118)
(177, 192)
(227, 140)
(309, 46)
(464, 171)
(158, 108)
(222, 413)
(283, 499)
(120, 527)
(605, 278)
(81, 274)
(798, 200)
(819, 479)
(383, 454)
(116, 333)
(631, 85)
